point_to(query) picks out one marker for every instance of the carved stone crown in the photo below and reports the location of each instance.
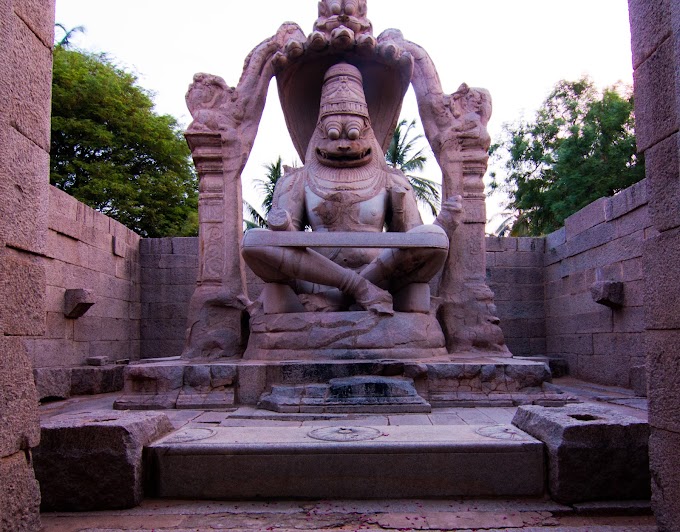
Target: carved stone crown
(343, 92)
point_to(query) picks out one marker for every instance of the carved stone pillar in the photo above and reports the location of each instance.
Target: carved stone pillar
(216, 310)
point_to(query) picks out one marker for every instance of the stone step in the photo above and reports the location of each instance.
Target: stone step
(199, 462)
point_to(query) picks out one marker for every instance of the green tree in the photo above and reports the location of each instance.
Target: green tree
(400, 155)
(111, 151)
(266, 187)
(579, 147)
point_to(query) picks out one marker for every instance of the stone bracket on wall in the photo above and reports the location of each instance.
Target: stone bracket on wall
(77, 301)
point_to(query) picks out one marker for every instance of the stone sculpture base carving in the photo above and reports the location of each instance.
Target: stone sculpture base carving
(367, 394)
(343, 336)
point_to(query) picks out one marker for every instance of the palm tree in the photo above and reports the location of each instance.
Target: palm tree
(65, 41)
(399, 156)
(266, 187)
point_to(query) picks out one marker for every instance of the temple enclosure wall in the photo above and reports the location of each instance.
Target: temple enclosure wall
(655, 36)
(88, 251)
(26, 34)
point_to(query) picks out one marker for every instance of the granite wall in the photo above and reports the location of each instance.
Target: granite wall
(515, 274)
(89, 251)
(602, 242)
(26, 34)
(655, 36)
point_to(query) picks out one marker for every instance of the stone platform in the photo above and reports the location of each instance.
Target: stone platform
(439, 381)
(357, 335)
(366, 462)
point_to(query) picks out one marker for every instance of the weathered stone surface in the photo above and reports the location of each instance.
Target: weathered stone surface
(650, 22)
(93, 461)
(95, 380)
(279, 336)
(593, 453)
(19, 495)
(638, 380)
(22, 283)
(53, 383)
(656, 113)
(31, 87)
(662, 297)
(664, 449)
(663, 376)
(77, 301)
(24, 193)
(19, 427)
(351, 394)
(608, 293)
(442, 461)
(662, 166)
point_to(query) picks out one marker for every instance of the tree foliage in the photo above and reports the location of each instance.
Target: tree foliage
(266, 186)
(400, 155)
(579, 147)
(113, 152)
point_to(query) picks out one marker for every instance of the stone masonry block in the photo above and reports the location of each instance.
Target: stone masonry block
(662, 163)
(590, 216)
(185, 246)
(638, 380)
(499, 243)
(662, 291)
(556, 238)
(155, 246)
(153, 379)
(52, 382)
(24, 204)
(663, 373)
(650, 22)
(656, 114)
(22, 285)
(31, 85)
(627, 200)
(96, 380)
(77, 301)
(593, 453)
(19, 427)
(39, 16)
(93, 461)
(608, 293)
(48, 352)
(533, 245)
(664, 449)
(19, 495)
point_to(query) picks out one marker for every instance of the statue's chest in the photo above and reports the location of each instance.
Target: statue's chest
(346, 211)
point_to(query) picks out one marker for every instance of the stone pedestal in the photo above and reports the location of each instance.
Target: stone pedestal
(343, 336)
(439, 381)
(593, 453)
(94, 462)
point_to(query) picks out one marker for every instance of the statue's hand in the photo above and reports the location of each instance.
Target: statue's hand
(279, 220)
(451, 214)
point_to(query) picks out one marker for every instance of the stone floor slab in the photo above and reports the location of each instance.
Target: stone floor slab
(362, 462)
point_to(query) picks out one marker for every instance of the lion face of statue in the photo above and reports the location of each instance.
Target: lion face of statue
(344, 141)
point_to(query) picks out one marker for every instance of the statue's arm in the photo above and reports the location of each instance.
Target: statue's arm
(288, 206)
(403, 206)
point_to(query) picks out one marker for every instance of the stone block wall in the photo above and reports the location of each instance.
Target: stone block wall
(169, 272)
(86, 250)
(602, 242)
(515, 274)
(655, 36)
(26, 34)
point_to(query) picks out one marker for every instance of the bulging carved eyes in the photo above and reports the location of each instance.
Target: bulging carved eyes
(353, 132)
(333, 132)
